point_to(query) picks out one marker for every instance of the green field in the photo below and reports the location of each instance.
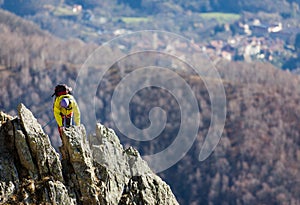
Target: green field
(135, 19)
(64, 11)
(220, 17)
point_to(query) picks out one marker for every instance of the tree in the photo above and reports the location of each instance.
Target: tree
(28, 7)
(135, 4)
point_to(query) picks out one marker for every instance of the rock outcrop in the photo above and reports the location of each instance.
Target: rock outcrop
(94, 171)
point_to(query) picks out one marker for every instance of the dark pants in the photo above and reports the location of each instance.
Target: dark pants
(66, 121)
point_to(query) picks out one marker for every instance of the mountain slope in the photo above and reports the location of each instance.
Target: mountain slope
(257, 158)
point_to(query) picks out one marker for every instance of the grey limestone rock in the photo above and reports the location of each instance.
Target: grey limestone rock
(79, 169)
(31, 172)
(128, 178)
(94, 171)
(47, 159)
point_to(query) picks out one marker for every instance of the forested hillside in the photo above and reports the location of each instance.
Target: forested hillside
(235, 30)
(257, 158)
(149, 6)
(32, 62)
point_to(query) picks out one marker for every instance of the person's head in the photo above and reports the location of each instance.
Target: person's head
(62, 89)
(65, 103)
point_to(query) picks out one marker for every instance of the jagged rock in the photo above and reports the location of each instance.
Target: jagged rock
(25, 154)
(128, 179)
(148, 189)
(8, 172)
(79, 164)
(98, 171)
(31, 172)
(47, 159)
(4, 117)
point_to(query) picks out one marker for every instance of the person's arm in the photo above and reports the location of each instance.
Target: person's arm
(56, 112)
(76, 113)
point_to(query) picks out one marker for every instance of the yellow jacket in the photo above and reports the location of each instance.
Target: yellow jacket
(59, 111)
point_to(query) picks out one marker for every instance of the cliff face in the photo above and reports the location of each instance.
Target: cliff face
(97, 171)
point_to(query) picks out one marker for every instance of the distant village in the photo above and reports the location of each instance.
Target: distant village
(252, 40)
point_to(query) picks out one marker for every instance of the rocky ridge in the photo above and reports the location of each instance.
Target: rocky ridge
(94, 171)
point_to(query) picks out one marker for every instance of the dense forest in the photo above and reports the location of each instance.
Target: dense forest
(257, 158)
(147, 6)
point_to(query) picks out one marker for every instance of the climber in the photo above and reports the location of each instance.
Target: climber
(64, 107)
